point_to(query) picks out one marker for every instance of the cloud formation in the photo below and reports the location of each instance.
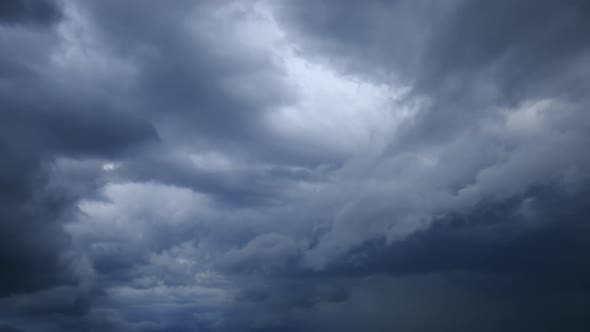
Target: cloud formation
(294, 165)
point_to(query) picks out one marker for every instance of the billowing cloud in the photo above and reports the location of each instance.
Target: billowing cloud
(294, 165)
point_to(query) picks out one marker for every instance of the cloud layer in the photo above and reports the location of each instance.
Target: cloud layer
(294, 165)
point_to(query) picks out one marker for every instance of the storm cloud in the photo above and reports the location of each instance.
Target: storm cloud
(294, 165)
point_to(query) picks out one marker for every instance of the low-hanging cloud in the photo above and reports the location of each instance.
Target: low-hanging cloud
(294, 165)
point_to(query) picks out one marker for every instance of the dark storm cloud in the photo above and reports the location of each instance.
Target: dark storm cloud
(40, 12)
(376, 38)
(201, 84)
(502, 54)
(162, 171)
(508, 41)
(77, 130)
(43, 119)
(472, 60)
(233, 186)
(493, 261)
(522, 44)
(10, 329)
(465, 56)
(33, 133)
(195, 87)
(186, 75)
(541, 233)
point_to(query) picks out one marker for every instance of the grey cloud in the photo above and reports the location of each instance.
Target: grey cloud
(43, 119)
(201, 88)
(464, 56)
(378, 39)
(10, 329)
(265, 253)
(465, 97)
(483, 302)
(187, 76)
(492, 238)
(512, 43)
(145, 185)
(41, 12)
(522, 42)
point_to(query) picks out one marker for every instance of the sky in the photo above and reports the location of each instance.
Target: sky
(294, 165)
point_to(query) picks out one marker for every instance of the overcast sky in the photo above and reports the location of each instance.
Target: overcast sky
(294, 165)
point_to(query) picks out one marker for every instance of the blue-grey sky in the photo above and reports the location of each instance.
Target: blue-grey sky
(294, 165)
